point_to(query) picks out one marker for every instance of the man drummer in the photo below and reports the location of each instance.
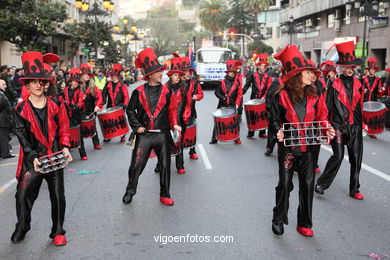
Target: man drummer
(345, 104)
(73, 98)
(152, 113)
(194, 90)
(260, 82)
(93, 98)
(229, 91)
(42, 128)
(329, 73)
(115, 93)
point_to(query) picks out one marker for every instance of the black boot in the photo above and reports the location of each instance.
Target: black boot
(250, 134)
(127, 198)
(213, 141)
(278, 229)
(18, 236)
(318, 189)
(157, 169)
(268, 152)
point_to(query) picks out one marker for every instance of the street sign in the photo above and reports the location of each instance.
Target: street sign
(379, 22)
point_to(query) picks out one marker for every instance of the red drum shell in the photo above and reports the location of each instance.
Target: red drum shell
(74, 137)
(88, 126)
(374, 117)
(227, 124)
(189, 139)
(256, 114)
(175, 147)
(113, 122)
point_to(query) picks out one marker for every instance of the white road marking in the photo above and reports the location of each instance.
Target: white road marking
(7, 185)
(364, 166)
(205, 158)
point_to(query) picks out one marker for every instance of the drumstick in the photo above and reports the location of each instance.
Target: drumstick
(154, 131)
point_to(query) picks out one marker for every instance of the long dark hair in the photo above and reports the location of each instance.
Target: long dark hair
(296, 90)
(182, 86)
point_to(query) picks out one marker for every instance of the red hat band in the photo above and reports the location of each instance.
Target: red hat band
(147, 60)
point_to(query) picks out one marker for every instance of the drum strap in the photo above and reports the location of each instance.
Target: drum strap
(233, 88)
(260, 85)
(370, 88)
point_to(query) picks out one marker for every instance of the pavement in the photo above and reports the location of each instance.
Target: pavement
(226, 198)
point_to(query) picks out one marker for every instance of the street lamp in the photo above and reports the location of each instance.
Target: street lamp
(95, 11)
(370, 9)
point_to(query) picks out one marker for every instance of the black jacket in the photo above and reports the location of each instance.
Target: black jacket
(5, 111)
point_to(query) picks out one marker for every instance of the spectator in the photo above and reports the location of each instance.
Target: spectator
(5, 122)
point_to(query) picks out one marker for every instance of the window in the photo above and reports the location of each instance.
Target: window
(268, 33)
(268, 17)
(331, 22)
(277, 32)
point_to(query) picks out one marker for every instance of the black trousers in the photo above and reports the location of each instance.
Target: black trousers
(27, 192)
(316, 150)
(304, 165)
(95, 141)
(271, 140)
(144, 143)
(4, 141)
(351, 137)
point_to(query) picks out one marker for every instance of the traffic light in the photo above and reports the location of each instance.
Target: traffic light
(232, 32)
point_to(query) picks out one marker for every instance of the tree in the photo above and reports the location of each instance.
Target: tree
(112, 52)
(255, 7)
(238, 18)
(85, 32)
(213, 15)
(260, 47)
(28, 23)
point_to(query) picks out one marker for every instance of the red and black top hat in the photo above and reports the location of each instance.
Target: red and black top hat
(86, 69)
(74, 74)
(293, 62)
(346, 51)
(50, 58)
(175, 67)
(147, 60)
(262, 59)
(33, 66)
(327, 66)
(371, 64)
(185, 62)
(116, 70)
(233, 65)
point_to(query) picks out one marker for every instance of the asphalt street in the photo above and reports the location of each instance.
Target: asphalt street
(226, 195)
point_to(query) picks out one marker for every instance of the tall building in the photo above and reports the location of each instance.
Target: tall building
(270, 26)
(315, 25)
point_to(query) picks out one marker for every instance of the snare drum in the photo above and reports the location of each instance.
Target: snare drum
(174, 144)
(386, 102)
(374, 117)
(113, 122)
(227, 124)
(256, 114)
(88, 125)
(189, 139)
(74, 137)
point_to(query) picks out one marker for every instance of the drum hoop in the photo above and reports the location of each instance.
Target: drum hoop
(379, 104)
(224, 108)
(261, 99)
(108, 110)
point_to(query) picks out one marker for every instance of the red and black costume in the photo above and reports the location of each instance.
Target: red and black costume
(295, 158)
(74, 102)
(116, 93)
(40, 131)
(345, 103)
(154, 108)
(373, 86)
(93, 98)
(193, 87)
(270, 98)
(229, 90)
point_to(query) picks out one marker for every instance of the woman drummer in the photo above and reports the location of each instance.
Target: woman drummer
(177, 86)
(229, 91)
(93, 98)
(296, 101)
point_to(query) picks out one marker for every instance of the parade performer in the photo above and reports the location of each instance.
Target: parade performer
(115, 93)
(260, 82)
(93, 98)
(297, 101)
(373, 87)
(74, 97)
(152, 112)
(329, 73)
(184, 108)
(345, 103)
(42, 127)
(195, 90)
(229, 91)
(271, 139)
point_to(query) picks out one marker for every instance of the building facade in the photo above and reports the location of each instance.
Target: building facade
(314, 26)
(270, 26)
